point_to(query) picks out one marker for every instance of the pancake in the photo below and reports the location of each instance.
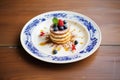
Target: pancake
(60, 37)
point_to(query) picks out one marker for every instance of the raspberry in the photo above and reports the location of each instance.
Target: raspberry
(73, 47)
(42, 33)
(60, 23)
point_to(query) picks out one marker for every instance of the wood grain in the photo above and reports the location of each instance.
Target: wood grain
(15, 14)
(16, 64)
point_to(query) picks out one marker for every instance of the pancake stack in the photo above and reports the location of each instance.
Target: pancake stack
(60, 32)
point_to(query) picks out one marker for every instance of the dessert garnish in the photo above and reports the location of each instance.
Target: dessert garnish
(60, 36)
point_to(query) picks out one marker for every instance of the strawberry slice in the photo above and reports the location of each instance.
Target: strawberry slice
(73, 47)
(42, 33)
(60, 23)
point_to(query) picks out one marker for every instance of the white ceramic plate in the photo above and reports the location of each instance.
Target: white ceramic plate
(87, 32)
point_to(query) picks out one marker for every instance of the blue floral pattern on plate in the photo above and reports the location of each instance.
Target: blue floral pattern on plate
(92, 28)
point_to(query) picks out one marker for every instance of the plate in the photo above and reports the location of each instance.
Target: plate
(85, 29)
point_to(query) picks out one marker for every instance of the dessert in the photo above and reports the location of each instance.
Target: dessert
(59, 32)
(59, 37)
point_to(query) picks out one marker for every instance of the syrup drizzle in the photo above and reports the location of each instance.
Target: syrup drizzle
(58, 47)
(67, 46)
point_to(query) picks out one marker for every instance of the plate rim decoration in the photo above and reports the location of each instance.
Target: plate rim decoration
(91, 26)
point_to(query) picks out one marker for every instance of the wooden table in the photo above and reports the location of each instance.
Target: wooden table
(16, 64)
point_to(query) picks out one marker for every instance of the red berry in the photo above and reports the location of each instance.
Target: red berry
(42, 33)
(60, 23)
(73, 47)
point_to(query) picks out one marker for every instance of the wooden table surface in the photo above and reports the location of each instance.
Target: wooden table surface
(17, 64)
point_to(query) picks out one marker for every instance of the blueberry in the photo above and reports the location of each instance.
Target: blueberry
(75, 42)
(65, 27)
(54, 51)
(64, 22)
(61, 28)
(55, 29)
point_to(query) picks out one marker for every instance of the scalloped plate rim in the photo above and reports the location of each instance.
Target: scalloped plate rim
(61, 62)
